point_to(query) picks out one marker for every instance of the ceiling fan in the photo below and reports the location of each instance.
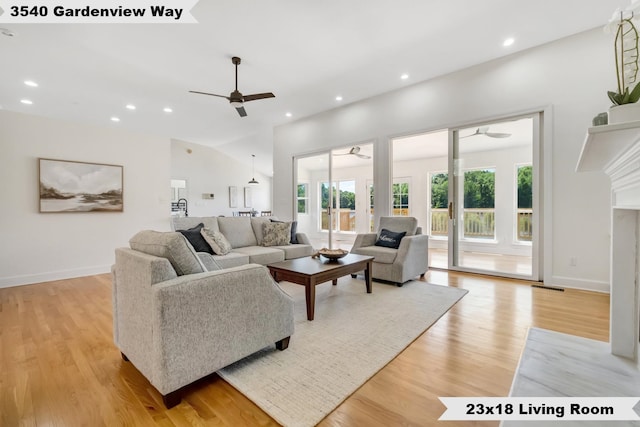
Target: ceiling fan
(484, 130)
(354, 151)
(236, 98)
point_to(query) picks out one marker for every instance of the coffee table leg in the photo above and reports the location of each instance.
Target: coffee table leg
(367, 277)
(335, 282)
(310, 295)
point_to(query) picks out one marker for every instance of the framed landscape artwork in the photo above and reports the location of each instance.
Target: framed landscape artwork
(68, 186)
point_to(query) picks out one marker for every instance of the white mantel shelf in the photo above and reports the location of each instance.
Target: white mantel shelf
(615, 150)
(604, 144)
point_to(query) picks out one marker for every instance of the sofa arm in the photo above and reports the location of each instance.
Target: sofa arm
(414, 250)
(204, 322)
(303, 239)
(365, 239)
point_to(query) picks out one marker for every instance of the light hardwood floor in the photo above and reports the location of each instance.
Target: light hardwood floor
(59, 366)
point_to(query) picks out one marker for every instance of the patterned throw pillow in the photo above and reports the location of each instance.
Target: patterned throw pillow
(276, 233)
(217, 241)
(294, 231)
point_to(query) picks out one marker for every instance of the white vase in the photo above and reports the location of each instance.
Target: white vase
(624, 113)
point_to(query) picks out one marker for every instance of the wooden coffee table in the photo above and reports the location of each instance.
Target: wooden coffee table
(310, 272)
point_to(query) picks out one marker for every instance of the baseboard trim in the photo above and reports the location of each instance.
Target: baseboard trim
(29, 279)
(582, 284)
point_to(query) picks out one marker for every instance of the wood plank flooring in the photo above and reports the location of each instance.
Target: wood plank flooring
(59, 366)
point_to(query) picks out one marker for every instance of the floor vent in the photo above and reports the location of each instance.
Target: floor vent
(551, 288)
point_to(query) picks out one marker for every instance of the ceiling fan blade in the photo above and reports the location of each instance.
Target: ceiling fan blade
(362, 156)
(498, 135)
(210, 94)
(341, 154)
(256, 96)
(241, 111)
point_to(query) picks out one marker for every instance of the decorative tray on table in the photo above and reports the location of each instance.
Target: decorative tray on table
(331, 254)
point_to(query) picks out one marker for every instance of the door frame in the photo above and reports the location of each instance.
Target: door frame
(539, 196)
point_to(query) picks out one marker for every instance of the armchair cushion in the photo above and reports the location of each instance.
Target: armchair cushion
(390, 239)
(170, 245)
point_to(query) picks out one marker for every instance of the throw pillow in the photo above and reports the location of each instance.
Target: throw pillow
(195, 238)
(294, 231)
(389, 239)
(216, 240)
(276, 233)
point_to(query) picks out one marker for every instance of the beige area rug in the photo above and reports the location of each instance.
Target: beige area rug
(353, 336)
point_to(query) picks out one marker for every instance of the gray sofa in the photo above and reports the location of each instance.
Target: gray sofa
(245, 236)
(179, 319)
(399, 265)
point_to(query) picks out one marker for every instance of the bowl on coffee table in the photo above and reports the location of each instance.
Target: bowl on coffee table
(332, 254)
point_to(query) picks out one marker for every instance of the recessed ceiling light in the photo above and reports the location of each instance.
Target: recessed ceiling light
(288, 114)
(115, 119)
(338, 98)
(31, 83)
(131, 107)
(405, 76)
(7, 32)
(508, 42)
(26, 101)
(167, 110)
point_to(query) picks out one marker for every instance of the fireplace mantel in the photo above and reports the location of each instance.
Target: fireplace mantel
(615, 150)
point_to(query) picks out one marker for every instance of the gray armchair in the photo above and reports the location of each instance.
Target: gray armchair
(177, 322)
(399, 265)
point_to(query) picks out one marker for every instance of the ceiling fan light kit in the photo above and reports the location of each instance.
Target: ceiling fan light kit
(236, 98)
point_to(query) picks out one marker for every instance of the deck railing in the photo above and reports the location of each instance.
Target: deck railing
(480, 223)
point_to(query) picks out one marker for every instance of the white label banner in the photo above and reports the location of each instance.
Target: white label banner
(97, 11)
(541, 408)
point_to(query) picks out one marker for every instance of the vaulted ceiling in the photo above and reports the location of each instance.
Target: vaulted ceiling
(307, 53)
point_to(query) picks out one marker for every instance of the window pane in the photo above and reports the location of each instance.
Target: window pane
(525, 203)
(401, 199)
(479, 204)
(439, 203)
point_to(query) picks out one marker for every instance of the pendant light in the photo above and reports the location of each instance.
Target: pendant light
(253, 170)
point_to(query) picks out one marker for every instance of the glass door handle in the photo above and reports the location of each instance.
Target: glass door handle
(450, 210)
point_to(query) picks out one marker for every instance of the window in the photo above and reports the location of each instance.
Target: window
(400, 198)
(479, 204)
(303, 198)
(439, 203)
(524, 211)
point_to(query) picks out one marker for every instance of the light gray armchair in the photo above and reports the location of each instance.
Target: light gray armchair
(177, 322)
(399, 265)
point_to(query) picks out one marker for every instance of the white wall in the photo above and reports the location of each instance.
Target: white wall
(569, 78)
(207, 170)
(40, 247)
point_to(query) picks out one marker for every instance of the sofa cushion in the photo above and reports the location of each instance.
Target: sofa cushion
(399, 223)
(261, 255)
(184, 223)
(219, 244)
(232, 259)
(209, 263)
(294, 231)
(170, 245)
(390, 239)
(276, 233)
(194, 236)
(238, 230)
(295, 251)
(382, 255)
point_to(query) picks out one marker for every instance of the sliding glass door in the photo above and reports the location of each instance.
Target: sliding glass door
(333, 192)
(493, 200)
